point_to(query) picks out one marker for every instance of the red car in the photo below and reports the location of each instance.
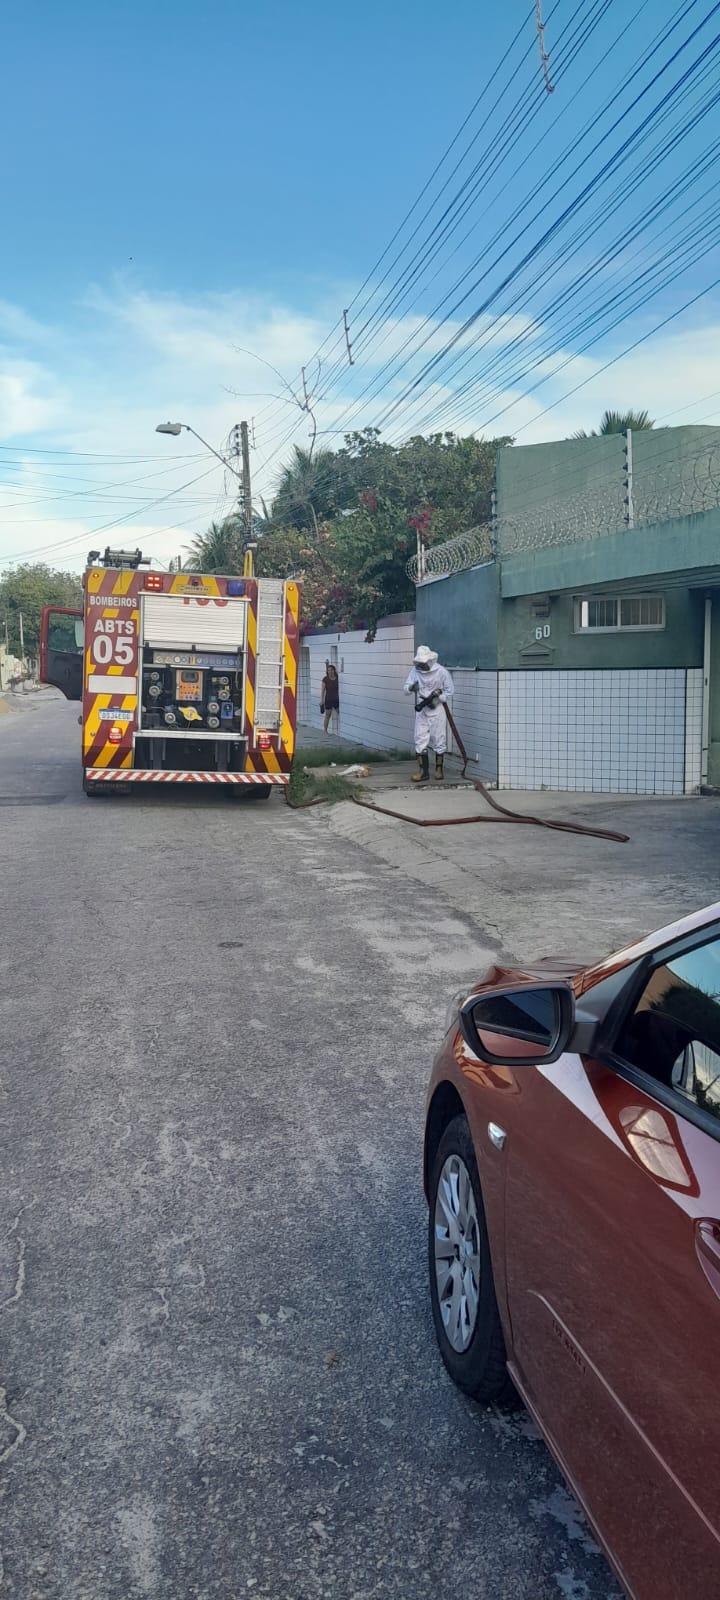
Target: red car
(572, 1171)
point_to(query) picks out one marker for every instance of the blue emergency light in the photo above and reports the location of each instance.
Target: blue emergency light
(235, 586)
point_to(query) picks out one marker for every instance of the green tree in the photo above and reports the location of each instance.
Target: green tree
(345, 522)
(442, 482)
(218, 550)
(618, 422)
(309, 490)
(25, 589)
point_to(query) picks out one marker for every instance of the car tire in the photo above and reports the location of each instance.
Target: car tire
(471, 1343)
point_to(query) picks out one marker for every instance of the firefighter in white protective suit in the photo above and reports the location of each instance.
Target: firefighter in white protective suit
(432, 686)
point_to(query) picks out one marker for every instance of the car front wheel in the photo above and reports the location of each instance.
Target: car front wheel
(465, 1312)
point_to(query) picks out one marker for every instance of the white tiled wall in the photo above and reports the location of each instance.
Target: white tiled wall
(613, 732)
(624, 732)
(693, 728)
(373, 709)
(475, 710)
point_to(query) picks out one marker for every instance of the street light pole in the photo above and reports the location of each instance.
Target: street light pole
(177, 427)
(243, 478)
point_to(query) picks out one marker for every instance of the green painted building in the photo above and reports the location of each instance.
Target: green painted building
(595, 630)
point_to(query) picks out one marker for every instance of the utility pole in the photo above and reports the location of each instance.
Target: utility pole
(246, 489)
(248, 564)
(240, 445)
(22, 638)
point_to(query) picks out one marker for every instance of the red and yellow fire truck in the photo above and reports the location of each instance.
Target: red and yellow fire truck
(183, 677)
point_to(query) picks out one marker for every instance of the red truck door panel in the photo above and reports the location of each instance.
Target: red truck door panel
(61, 650)
(615, 1321)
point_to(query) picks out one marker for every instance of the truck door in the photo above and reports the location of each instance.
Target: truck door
(61, 650)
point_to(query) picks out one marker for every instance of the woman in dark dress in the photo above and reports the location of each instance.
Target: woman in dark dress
(330, 695)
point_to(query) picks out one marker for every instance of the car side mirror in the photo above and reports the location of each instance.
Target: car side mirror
(524, 1026)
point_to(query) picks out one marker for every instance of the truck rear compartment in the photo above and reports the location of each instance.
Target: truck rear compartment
(192, 692)
(182, 676)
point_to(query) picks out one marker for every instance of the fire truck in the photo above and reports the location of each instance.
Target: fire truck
(183, 677)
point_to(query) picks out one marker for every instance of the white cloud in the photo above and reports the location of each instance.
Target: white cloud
(127, 359)
(16, 324)
(30, 397)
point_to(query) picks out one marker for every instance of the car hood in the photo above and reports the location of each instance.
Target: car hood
(550, 969)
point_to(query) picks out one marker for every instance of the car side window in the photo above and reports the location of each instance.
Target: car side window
(673, 1033)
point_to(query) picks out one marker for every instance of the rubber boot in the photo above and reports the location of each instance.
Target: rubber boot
(423, 771)
(439, 774)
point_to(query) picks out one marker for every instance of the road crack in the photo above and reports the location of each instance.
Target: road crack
(19, 1288)
(161, 1314)
(12, 1422)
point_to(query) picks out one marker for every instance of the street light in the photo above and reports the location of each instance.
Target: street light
(177, 427)
(243, 479)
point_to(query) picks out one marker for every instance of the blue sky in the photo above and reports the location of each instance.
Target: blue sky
(185, 183)
(221, 145)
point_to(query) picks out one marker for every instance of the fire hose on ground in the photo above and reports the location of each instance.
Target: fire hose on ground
(502, 813)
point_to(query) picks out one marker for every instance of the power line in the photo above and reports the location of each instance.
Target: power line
(91, 455)
(569, 210)
(664, 323)
(97, 491)
(497, 153)
(530, 102)
(377, 384)
(496, 368)
(427, 185)
(117, 522)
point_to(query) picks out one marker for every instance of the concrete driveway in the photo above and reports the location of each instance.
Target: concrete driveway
(217, 1373)
(537, 892)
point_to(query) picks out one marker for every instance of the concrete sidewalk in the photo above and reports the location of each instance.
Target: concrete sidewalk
(539, 892)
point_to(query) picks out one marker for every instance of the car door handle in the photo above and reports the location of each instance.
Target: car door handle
(707, 1245)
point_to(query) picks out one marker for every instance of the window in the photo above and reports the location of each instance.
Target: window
(65, 633)
(610, 613)
(674, 1032)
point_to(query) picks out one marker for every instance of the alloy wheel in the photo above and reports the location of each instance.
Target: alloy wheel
(457, 1252)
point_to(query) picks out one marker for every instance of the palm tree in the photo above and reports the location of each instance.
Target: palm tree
(218, 550)
(307, 489)
(618, 422)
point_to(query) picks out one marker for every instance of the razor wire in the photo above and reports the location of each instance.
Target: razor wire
(469, 549)
(662, 491)
(664, 487)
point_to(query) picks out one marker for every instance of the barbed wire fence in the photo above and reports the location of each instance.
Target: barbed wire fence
(666, 485)
(465, 550)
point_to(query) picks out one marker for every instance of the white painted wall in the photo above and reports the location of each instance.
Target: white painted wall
(10, 667)
(373, 709)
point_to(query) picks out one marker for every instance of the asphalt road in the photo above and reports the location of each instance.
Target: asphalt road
(217, 1367)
